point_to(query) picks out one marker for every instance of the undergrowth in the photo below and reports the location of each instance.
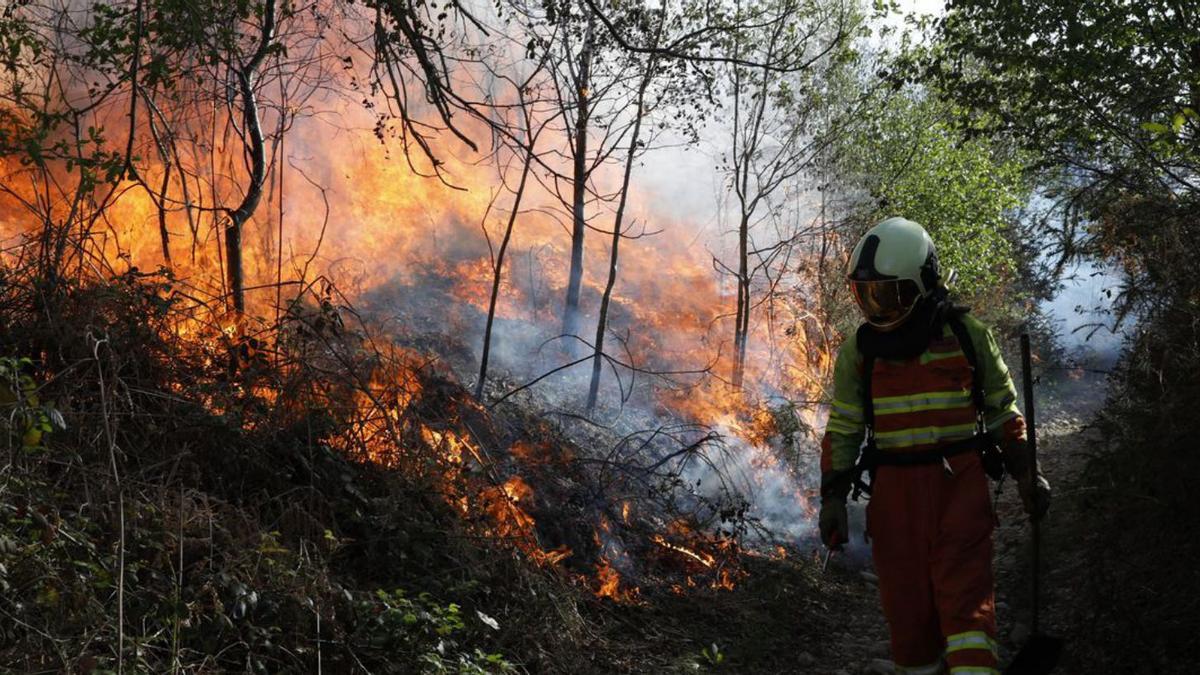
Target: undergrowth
(174, 498)
(1139, 525)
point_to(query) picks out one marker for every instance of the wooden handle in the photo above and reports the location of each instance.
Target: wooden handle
(1030, 416)
(1031, 435)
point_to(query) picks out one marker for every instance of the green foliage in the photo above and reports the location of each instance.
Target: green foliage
(428, 629)
(22, 415)
(708, 658)
(1104, 97)
(914, 163)
(1097, 86)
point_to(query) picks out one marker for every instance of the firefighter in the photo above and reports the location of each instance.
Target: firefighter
(924, 406)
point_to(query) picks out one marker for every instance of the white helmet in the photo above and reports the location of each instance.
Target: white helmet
(893, 266)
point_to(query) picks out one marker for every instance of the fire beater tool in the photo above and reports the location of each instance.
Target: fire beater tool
(1041, 653)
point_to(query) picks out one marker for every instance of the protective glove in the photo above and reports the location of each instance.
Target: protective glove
(833, 521)
(1035, 495)
(834, 524)
(1031, 484)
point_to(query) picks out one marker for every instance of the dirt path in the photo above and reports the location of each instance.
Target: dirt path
(1065, 443)
(862, 648)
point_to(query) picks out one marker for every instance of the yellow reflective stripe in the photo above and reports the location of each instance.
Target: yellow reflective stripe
(973, 670)
(972, 639)
(922, 435)
(934, 668)
(997, 420)
(881, 400)
(925, 402)
(838, 403)
(846, 410)
(838, 426)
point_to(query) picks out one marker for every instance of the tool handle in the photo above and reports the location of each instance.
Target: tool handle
(1031, 435)
(1030, 412)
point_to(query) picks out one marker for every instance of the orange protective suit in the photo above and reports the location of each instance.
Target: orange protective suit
(931, 529)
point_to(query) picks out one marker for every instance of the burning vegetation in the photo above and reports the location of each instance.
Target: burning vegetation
(255, 269)
(219, 491)
(312, 267)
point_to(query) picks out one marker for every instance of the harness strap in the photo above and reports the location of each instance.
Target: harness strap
(968, 348)
(868, 460)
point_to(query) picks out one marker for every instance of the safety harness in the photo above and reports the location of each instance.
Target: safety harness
(871, 457)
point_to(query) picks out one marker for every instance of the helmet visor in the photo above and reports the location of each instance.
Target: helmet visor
(886, 304)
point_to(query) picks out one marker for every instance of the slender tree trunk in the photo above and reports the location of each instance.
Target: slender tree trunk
(258, 164)
(499, 268)
(748, 205)
(602, 319)
(134, 64)
(571, 317)
(233, 267)
(279, 214)
(742, 316)
(163, 233)
(161, 201)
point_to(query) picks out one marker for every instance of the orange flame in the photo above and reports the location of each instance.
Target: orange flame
(386, 225)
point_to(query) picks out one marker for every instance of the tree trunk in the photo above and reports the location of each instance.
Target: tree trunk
(742, 316)
(602, 319)
(258, 165)
(743, 164)
(499, 269)
(571, 317)
(163, 233)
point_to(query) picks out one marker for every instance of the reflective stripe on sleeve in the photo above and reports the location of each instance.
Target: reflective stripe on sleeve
(847, 410)
(973, 670)
(997, 420)
(840, 426)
